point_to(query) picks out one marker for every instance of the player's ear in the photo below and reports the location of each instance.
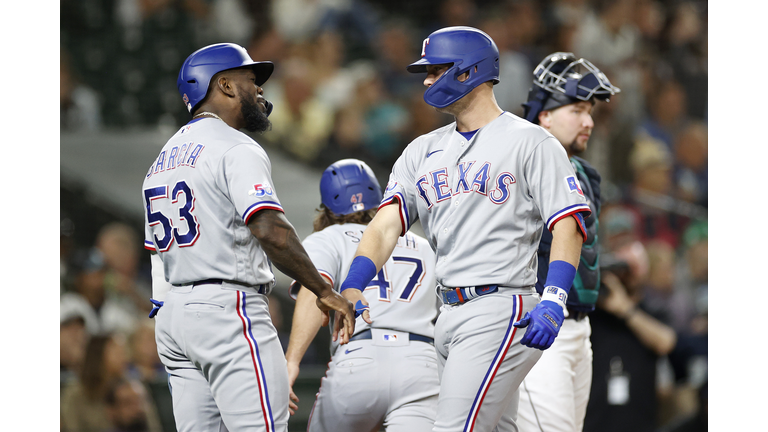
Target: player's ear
(545, 119)
(226, 85)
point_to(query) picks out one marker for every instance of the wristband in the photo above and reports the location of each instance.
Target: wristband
(560, 275)
(361, 272)
(559, 280)
(555, 294)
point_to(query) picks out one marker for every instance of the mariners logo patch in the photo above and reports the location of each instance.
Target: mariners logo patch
(573, 185)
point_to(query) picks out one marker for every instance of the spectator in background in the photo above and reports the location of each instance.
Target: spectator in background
(145, 363)
(102, 314)
(371, 125)
(127, 406)
(514, 67)
(79, 105)
(394, 47)
(664, 299)
(666, 112)
(683, 44)
(609, 38)
(422, 118)
(627, 343)
(452, 13)
(73, 338)
(301, 121)
(120, 247)
(146, 369)
(651, 192)
(66, 248)
(690, 170)
(82, 401)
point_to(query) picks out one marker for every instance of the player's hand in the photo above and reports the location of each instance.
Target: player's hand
(362, 308)
(543, 323)
(344, 322)
(293, 400)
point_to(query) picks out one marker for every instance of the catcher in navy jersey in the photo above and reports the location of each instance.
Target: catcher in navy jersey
(554, 394)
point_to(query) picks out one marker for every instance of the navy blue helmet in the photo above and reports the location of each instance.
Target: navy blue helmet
(562, 79)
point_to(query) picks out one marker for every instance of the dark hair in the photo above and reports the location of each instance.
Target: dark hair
(325, 218)
(93, 373)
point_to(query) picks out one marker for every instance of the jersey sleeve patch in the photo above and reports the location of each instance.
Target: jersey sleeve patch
(572, 183)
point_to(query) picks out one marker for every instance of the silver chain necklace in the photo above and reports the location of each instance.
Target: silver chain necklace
(207, 113)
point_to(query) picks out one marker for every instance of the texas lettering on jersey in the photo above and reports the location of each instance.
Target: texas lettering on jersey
(471, 177)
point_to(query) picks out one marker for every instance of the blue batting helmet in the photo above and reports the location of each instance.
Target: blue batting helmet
(562, 79)
(198, 69)
(467, 49)
(349, 186)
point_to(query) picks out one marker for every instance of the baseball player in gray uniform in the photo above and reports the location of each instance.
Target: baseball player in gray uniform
(554, 394)
(387, 374)
(215, 224)
(483, 188)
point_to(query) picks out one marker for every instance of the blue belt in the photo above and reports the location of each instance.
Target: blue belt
(262, 289)
(462, 295)
(366, 334)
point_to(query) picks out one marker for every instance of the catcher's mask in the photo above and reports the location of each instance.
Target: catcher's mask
(562, 79)
(349, 186)
(464, 48)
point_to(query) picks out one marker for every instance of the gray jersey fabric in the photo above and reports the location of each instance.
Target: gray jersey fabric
(205, 184)
(483, 202)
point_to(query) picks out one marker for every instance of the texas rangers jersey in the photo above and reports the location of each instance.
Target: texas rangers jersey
(483, 202)
(401, 296)
(207, 182)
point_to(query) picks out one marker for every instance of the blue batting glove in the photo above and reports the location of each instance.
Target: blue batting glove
(158, 304)
(543, 324)
(360, 308)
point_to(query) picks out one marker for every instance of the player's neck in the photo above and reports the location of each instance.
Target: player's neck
(479, 113)
(476, 109)
(227, 116)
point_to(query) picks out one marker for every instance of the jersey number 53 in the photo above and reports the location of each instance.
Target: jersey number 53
(155, 197)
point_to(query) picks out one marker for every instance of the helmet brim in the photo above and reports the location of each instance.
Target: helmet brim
(263, 70)
(420, 66)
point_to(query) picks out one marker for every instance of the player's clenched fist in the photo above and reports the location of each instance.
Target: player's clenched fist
(344, 320)
(543, 324)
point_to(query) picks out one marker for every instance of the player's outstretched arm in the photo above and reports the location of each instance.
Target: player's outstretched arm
(280, 242)
(377, 244)
(307, 320)
(545, 320)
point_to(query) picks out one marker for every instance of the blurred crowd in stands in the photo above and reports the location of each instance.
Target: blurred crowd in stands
(340, 89)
